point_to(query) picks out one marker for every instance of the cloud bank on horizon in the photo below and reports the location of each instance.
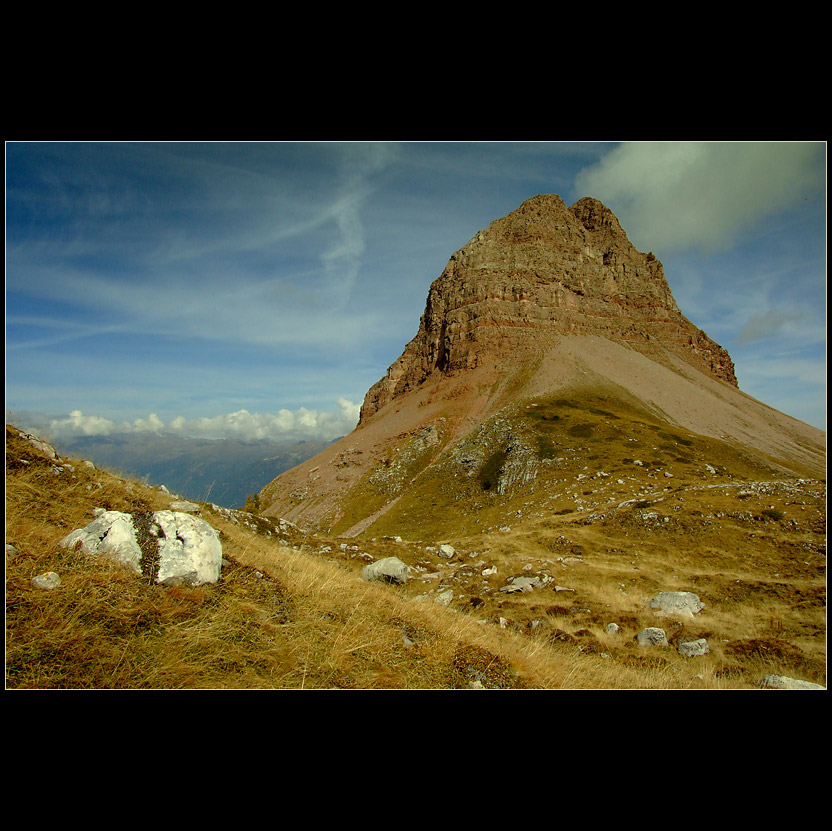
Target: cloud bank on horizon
(274, 283)
(283, 426)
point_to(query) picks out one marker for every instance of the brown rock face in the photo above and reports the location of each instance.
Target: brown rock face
(545, 269)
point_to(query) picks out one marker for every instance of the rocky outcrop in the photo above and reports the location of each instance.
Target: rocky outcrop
(542, 270)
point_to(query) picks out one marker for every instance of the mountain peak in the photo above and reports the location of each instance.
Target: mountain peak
(545, 270)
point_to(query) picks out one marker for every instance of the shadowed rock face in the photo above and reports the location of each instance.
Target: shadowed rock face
(544, 270)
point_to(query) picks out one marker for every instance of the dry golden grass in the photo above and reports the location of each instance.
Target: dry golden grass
(292, 612)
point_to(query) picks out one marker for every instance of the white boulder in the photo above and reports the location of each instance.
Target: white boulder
(189, 549)
(444, 598)
(692, 649)
(112, 534)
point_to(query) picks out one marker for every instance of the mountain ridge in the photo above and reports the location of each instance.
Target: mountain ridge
(549, 303)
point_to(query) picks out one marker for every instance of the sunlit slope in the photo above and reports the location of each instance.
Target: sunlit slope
(584, 405)
(558, 454)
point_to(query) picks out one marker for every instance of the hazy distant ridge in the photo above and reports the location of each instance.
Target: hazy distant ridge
(223, 471)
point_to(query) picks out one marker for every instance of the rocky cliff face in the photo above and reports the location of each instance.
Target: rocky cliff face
(543, 270)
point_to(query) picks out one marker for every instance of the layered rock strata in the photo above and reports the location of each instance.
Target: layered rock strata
(542, 270)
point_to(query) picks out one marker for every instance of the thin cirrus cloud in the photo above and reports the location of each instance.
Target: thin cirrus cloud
(234, 256)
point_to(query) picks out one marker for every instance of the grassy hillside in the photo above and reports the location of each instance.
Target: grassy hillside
(562, 455)
(292, 612)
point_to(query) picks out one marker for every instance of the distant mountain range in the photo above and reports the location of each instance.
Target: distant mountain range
(222, 471)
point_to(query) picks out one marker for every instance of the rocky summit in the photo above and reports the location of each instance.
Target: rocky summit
(550, 353)
(545, 269)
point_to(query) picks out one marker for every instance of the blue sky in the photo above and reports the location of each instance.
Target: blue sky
(259, 289)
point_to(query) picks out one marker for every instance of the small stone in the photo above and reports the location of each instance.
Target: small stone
(389, 569)
(783, 682)
(446, 551)
(186, 507)
(652, 636)
(48, 580)
(692, 649)
(445, 598)
(612, 629)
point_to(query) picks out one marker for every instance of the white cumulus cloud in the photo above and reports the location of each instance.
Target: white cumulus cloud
(284, 425)
(680, 195)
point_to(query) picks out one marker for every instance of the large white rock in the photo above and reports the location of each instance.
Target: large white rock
(111, 534)
(190, 551)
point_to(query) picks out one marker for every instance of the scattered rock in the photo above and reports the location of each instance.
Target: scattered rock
(652, 636)
(692, 649)
(612, 629)
(186, 507)
(48, 580)
(444, 598)
(389, 570)
(41, 445)
(446, 551)
(676, 603)
(527, 584)
(783, 682)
